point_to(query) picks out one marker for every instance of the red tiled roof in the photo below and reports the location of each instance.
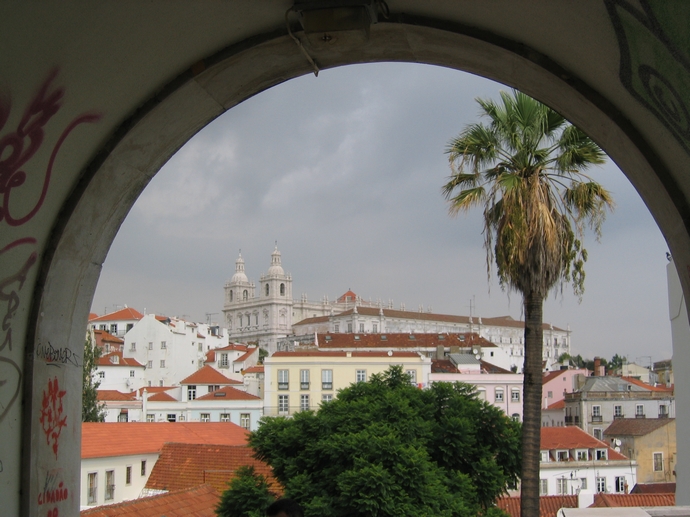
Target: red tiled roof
(183, 465)
(105, 336)
(153, 389)
(233, 346)
(572, 437)
(492, 368)
(199, 501)
(208, 375)
(162, 318)
(123, 314)
(349, 296)
(228, 393)
(329, 353)
(621, 500)
(92, 316)
(557, 405)
(246, 355)
(401, 340)
(114, 395)
(161, 397)
(443, 366)
(654, 488)
(259, 368)
(548, 504)
(104, 360)
(550, 376)
(635, 426)
(644, 385)
(105, 439)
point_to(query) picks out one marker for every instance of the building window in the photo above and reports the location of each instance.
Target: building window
(123, 417)
(149, 364)
(336, 329)
(543, 487)
(224, 363)
(544, 456)
(201, 347)
(549, 394)
(601, 454)
(304, 402)
(225, 417)
(658, 462)
(162, 363)
(113, 328)
(663, 411)
(92, 494)
(620, 484)
(601, 484)
(282, 289)
(515, 417)
(596, 432)
(171, 417)
(515, 395)
(361, 328)
(561, 486)
(283, 403)
(562, 456)
(583, 483)
(191, 392)
(412, 374)
(150, 345)
(131, 373)
(133, 347)
(205, 417)
(349, 328)
(128, 475)
(150, 417)
(617, 411)
(101, 375)
(163, 345)
(213, 387)
(109, 485)
(596, 414)
(283, 379)
(361, 376)
(639, 411)
(498, 396)
(304, 379)
(326, 397)
(182, 417)
(326, 379)
(143, 467)
(375, 328)
(160, 383)
(582, 456)
(244, 417)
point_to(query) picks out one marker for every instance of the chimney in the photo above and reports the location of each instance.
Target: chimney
(599, 369)
(440, 352)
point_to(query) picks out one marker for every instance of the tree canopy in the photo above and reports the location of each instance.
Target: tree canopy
(248, 495)
(91, 409)
(387, 448)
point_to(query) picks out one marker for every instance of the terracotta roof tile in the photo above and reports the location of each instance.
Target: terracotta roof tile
(104, 439)
(182, 466)
(228, 393)
(92, 316)
(621, 500)
(548, 504)
(199, 501)
(123, 314)
(635, 426)
(401, 340)
(649, 387)
(654, 488)
(572, 437)
(103, 336)
(105, 360)
(492, 368)
(208, 375)
(161, 397)
(333, 353)
(154, 389)
(550, 376)
(259, 368)
(348, 296)
(246, 355)
(114, 395)
(557, 405)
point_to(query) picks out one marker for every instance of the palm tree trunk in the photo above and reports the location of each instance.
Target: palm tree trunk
(531, 404)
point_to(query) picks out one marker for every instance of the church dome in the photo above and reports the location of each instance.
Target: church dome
(239, 276)
(276, 269)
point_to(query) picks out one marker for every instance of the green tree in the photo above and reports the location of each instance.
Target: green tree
(617, 361)
(386, 448)
(91, 409)
(248, 495)
(525, 168)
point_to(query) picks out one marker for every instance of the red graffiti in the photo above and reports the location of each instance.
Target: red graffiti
(52, 513)
(51, 414)
(53, 496)
(18, 147)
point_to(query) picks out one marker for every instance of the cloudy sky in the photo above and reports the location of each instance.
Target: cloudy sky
(345, 171)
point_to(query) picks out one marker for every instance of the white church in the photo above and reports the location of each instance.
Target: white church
(270, 315)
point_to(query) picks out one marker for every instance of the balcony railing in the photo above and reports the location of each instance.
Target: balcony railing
(91, 495)
(326, 385)
(109, 492)
(283, 385)
(597, 418)
(639, 415)
(304, 385)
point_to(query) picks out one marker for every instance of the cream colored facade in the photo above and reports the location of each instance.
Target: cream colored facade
(298, 381)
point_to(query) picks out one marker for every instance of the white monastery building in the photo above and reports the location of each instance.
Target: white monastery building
(267, 314)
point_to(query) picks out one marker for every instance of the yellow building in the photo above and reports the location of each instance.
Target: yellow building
(651, 442)
(298, 381)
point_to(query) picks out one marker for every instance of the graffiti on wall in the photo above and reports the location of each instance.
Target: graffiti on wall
(21, 147)
(53, 417)
(654, 60)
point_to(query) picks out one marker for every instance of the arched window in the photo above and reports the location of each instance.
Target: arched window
(282, 289)
(231, 296)
(266, 289)
(239, 318)
(245, 295)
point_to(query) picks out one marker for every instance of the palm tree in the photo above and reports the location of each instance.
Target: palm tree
(525, 168)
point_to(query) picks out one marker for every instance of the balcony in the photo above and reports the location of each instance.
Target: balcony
(640, 415)
(283, 385)
(326, 385)
(597, 419)
(304, 385)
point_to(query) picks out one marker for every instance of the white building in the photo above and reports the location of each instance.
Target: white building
(116, 372)
(572, 460)
(232, 360)
(117, 458)
(117, 323)
(170, 348)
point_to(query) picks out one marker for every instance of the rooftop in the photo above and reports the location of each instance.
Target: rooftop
(635, 426)
(401, 340)
(228, 393)
(123, 314)
(571, 437)
(105, 439)
(208, 375)
(199, 501)
(333, 353)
